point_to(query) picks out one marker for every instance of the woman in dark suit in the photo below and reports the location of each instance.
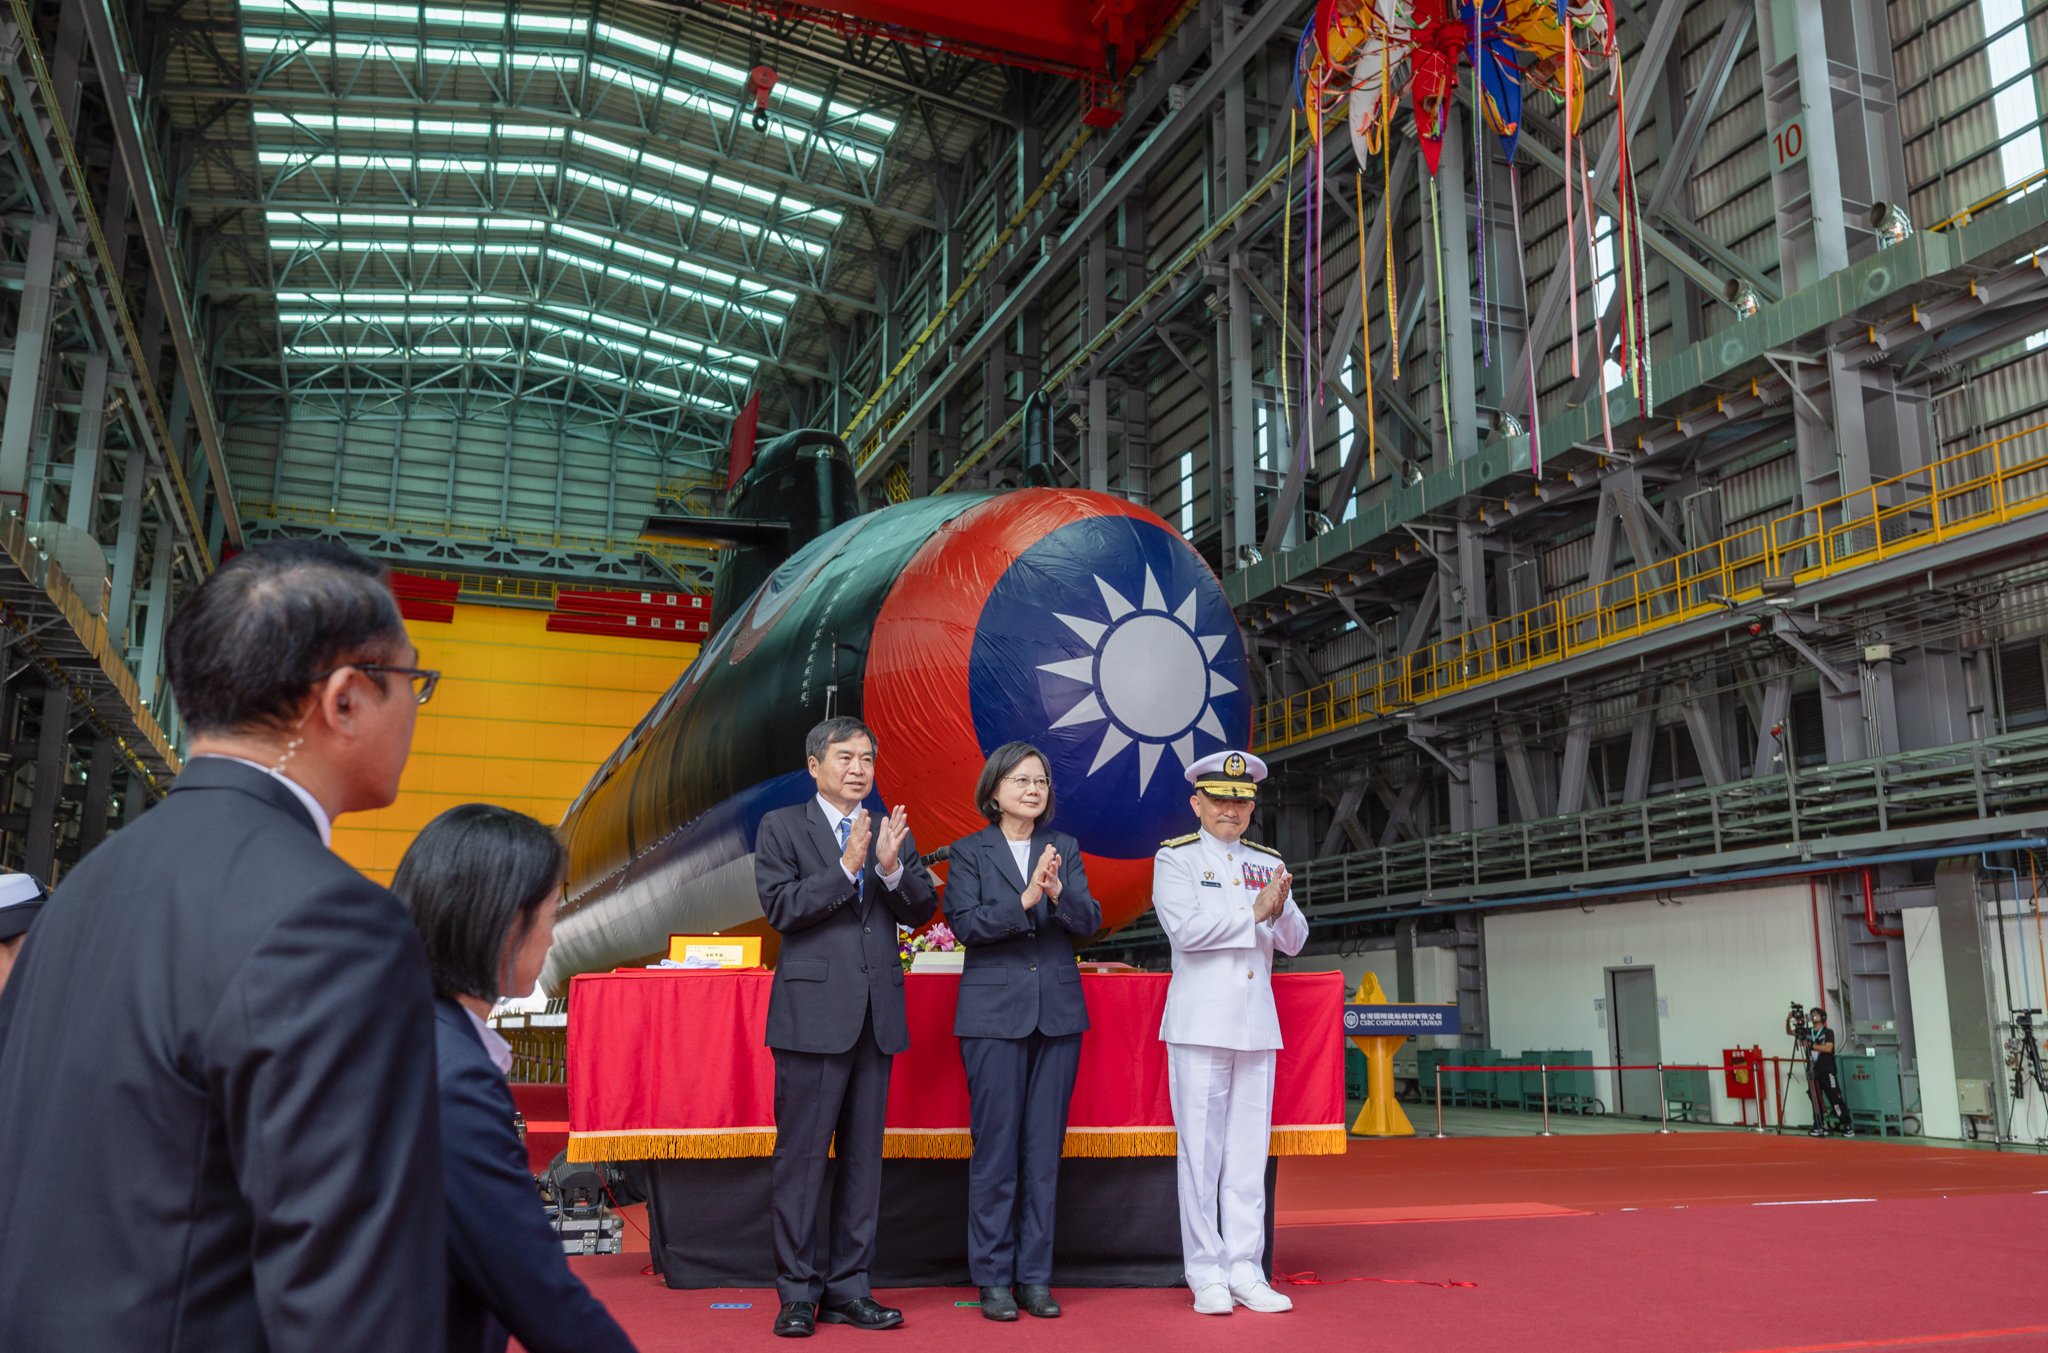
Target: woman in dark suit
(1018, 899)
(482, 884)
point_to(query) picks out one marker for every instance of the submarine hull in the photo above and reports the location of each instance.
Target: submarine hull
(1073, 620)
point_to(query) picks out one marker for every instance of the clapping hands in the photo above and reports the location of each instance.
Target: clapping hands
(889, 844)
(1273, 897)
(854, 855)
(1045, 880)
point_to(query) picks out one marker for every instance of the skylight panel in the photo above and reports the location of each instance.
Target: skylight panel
(661, 284)
(448, 308)
(368, 246)
(706, 107)
(633, 350)
(432, 15)
(675, 206)
(404, 164)
(384, 353)
(717, 109)
(406, 126)
(402, 220)
(359, 352)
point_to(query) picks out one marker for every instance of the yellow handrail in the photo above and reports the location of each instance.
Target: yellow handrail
(1936, 502)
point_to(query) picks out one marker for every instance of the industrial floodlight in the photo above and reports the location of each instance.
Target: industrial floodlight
(1891, 223)
(1743, 297)
(1248, 555)
(1318, 523)
(1506, 424)
(1411, 473)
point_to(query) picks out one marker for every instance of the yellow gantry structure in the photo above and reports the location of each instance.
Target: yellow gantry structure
(1987, 485)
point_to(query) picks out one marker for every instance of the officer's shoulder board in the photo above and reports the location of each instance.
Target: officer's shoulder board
(1263, 850)
(1187, 840)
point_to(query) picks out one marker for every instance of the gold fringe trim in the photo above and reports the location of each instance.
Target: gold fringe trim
(707, 1144)
(1102, 1143)
(922, 1143)
(1309, 1141)
(926, 1144)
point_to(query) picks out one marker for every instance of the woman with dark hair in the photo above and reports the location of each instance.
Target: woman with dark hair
(1018, 899)
(482, 884)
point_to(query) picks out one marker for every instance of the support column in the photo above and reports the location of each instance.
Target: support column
(31, 353)
(149, 665)
(99, 795)
(85, 460)
(52, 745)
(1455, 362)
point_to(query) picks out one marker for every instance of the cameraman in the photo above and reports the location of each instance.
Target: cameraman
(1822, 1079)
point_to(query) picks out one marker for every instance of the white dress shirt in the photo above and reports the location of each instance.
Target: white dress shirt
(320, 818)
(833, 817)
(494, 1042)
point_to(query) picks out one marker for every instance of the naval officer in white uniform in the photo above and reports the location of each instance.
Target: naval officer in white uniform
(1226, 905)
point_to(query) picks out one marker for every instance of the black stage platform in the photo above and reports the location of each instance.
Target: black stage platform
(1119, 1223)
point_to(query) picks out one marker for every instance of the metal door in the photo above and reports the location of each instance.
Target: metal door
(1632, 996)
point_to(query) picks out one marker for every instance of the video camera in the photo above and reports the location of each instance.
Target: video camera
(1796, 1026)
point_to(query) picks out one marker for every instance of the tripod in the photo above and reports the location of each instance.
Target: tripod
(1801, 1060)
(2023, 1055)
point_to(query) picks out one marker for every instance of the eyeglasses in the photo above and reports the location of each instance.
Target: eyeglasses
(1027, 782)
(421, 679)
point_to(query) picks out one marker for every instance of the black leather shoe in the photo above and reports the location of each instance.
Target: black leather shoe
(1036, 1298)
(863, 1313)
(998, 1304)
(797, 1319)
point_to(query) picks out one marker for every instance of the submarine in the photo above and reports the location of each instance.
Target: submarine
(1071, 619)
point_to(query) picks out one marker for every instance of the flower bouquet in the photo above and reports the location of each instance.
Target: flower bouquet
(934, 947)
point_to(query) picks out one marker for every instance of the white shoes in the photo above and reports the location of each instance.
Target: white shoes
(1259, 1297)
(1213, 1299)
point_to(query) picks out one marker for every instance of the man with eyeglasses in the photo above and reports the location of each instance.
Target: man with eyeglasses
(225, 1025)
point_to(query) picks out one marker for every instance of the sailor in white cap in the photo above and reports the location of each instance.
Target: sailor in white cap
(21, 897)
(1226, 905)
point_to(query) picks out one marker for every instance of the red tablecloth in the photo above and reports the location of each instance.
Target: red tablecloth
(671, 1065)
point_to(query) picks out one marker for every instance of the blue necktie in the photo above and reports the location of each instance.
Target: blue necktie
(845, 830)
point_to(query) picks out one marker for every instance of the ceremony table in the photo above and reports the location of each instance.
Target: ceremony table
(669, 1067)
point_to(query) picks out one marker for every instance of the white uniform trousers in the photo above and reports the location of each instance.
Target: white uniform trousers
(1223, 1112)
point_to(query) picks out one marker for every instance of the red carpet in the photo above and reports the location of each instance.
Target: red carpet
(1629, 1241)
(1610, 1171)
(1927, 1273)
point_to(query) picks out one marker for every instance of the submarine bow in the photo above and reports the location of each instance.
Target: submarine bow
(1069, 619)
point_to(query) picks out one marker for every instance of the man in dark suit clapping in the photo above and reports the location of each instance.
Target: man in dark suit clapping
(834, 881)
(217, 1056)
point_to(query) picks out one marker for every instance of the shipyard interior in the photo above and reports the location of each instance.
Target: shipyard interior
(1587, 462)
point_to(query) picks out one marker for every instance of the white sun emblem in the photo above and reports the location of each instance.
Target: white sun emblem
(1149, 678)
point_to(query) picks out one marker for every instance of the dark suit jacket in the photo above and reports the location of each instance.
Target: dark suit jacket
(217, 1094)
(1020, 976)
(506, 1267)
(839, 956)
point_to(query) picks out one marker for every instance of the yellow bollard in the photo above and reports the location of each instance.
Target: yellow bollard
(1381, 1116)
